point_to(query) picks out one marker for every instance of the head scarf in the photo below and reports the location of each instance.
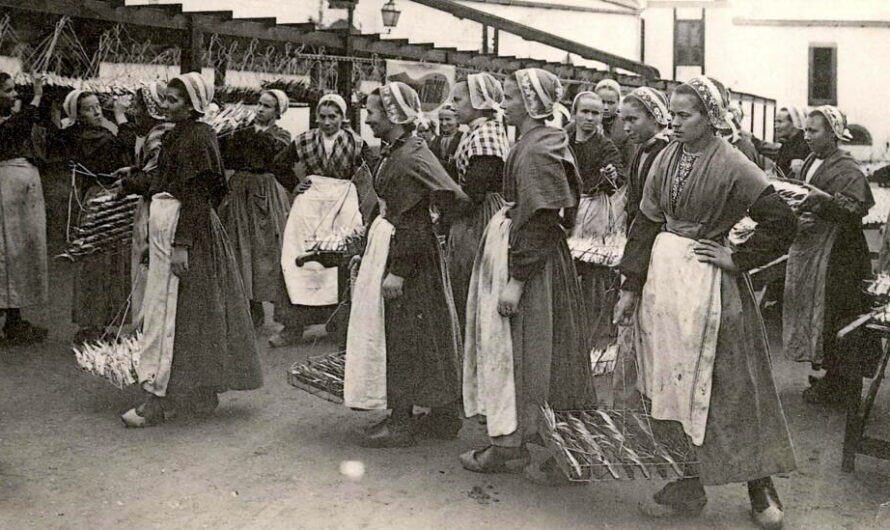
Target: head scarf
(585, 93)
(655, 103)
(798, 116)
(199, 89)
(836, 120)
(153, 99)
(401, 103)
(736, 113)
(281, 99)
(486, 92)
(714, 101)
(71, 105)
(333, 99)
(611, 84)
(541, 92)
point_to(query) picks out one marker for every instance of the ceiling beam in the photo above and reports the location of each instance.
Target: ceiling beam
(151, 16)
(543, 37)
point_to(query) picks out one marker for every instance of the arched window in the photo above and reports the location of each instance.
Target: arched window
(861, 136)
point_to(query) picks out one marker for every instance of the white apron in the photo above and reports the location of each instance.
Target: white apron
(23, 263)
(489, 386)
(161, 292)
(138, 270)
(678, 324)
(364, 385)
(329, 208)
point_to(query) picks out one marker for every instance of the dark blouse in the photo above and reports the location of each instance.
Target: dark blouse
(96, 148)
(15, 134)
(795, 148)
(639, 172)
(259, 152)
(190, 168)
(592, 156)
(412, 238)
(534, 243)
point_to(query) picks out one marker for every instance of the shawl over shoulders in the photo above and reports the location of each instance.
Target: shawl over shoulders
(841, 174)
(721, 187)
(412, 173)
(541, 174)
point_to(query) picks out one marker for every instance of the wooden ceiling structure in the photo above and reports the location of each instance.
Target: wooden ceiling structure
(189, 30)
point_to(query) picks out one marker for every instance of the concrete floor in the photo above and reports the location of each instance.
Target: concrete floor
(271, 458)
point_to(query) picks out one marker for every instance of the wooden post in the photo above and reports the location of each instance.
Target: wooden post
(484, 39)
(344, 70)
(192, 48)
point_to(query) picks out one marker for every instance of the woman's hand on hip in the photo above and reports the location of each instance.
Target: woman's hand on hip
(707, 251)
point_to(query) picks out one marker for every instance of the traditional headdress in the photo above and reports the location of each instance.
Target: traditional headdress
(199, 90)
(798, 116)
(541, 92)
(611, 84)
(281, 99)
(714, 100)
(71, 105)
(335, 100)
(401, 103)
(655, 103)
(836, 120)
(583, 94)
(153, 99)
(486, 92)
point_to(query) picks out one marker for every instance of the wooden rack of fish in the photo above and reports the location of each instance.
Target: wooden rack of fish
(106, 224)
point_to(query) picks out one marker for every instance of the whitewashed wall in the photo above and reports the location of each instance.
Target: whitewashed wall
(773, 61)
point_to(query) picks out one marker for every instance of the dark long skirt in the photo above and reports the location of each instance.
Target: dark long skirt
(214, 346)
(845, 299)
(746, 436)
(551, 353)
(463, 243)
(254, 216)
(102, 284)
(599, 289)
(423, 356)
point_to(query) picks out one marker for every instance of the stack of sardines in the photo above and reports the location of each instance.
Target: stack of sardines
(602, 360)
(614, 444)
(107, 221)
(321, 376)
(338, 241)
(878, 214)
(879, 289)
(230, 118)
(114, 360)
(604, 250)
(792, 192)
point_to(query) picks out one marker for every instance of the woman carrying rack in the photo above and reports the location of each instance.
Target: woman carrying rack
(341, 161)
(102, 281)
(198, 339)
(255, 210)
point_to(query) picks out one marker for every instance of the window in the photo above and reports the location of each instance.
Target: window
(689, 42)
(823, 75)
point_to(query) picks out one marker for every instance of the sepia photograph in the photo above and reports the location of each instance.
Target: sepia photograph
(444, 264)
